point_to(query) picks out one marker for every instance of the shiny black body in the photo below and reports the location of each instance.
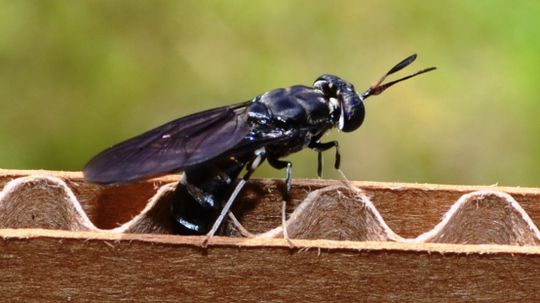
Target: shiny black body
(213, 147)
(198, 199)
(281, 121)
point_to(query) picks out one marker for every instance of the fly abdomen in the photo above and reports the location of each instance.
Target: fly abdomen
(201, 193)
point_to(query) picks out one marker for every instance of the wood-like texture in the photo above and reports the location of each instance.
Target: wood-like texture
(55, 266)
(64, 239)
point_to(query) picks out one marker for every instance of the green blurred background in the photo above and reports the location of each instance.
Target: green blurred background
(79, 76)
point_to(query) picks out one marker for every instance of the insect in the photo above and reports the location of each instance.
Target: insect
(213, 147)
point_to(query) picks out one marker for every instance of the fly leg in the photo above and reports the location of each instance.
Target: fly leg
(279, 164)
(319, 148)
(260, 155)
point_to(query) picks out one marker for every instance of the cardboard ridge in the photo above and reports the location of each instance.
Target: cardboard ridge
(337, 211)
(63, 239)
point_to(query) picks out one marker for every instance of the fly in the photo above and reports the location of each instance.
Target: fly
(213, 147)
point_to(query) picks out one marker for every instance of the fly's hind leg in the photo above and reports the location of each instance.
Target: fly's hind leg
(260, 155)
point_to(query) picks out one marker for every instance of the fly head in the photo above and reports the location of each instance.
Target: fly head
(349, 103)
(342, 96)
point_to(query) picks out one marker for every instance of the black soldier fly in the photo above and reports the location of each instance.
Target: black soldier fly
(214, 146)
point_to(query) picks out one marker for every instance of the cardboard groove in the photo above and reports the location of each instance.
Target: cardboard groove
(392, 243)
(334, 212)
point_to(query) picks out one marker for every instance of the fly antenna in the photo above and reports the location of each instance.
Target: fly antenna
(377, 87)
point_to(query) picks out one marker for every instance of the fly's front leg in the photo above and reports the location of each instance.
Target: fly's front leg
(319, 148)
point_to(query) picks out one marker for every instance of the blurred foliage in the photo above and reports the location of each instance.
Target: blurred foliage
(78, 76)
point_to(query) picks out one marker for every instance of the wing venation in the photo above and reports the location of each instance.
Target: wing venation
(171, 147)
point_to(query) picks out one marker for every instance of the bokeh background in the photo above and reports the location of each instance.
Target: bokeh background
(79, 76)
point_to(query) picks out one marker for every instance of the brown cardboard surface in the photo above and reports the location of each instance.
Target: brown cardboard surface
(64, 239)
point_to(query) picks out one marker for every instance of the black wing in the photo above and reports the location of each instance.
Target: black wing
(174, 146)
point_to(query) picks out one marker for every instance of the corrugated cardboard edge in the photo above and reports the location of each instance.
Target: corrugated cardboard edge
(299, 245)
(495, 218)
(102, 266)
